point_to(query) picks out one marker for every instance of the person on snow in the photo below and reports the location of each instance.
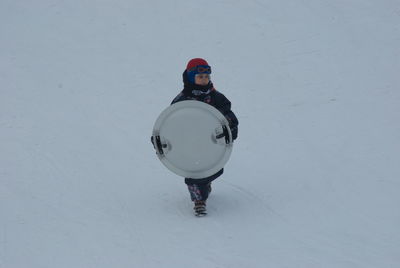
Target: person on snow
(198, 86)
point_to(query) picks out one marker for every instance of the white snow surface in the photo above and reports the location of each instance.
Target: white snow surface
(314, 177)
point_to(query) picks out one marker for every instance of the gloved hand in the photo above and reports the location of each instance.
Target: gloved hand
(234, 131)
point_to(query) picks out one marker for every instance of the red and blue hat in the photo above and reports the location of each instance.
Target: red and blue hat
(197, 66)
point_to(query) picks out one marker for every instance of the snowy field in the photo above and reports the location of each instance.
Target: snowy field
(314, 177)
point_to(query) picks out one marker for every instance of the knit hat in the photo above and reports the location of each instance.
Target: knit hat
(197, 66)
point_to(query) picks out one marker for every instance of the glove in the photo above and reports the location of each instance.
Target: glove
(234, 131)
(152, 141)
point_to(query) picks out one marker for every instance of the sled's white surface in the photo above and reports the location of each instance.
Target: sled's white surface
(191, 139)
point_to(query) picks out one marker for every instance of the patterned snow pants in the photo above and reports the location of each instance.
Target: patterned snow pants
(199, 189)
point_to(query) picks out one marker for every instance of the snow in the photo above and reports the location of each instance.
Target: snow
(313, 180)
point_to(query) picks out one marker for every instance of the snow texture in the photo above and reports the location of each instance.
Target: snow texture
(313, 180)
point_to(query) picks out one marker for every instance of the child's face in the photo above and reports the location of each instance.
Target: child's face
(202, 79)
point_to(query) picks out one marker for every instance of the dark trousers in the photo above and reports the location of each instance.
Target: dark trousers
(199, 189)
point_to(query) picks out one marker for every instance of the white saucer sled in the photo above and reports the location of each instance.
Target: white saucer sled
(192, 139)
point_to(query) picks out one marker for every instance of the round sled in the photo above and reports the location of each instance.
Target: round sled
(192, 139)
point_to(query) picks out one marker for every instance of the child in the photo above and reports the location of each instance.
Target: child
(198, 86)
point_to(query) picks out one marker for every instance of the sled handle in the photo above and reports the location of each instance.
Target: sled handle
(225, 134)
(159, 146)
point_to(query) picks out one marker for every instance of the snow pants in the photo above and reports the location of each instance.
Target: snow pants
(199, 189)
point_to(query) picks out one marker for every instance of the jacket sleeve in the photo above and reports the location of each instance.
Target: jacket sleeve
(224, 106)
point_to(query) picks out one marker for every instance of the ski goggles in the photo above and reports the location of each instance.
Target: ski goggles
(201, 69)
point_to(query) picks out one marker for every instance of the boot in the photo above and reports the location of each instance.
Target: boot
(200, 208)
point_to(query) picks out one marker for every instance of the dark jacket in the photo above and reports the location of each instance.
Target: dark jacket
(210, 95)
